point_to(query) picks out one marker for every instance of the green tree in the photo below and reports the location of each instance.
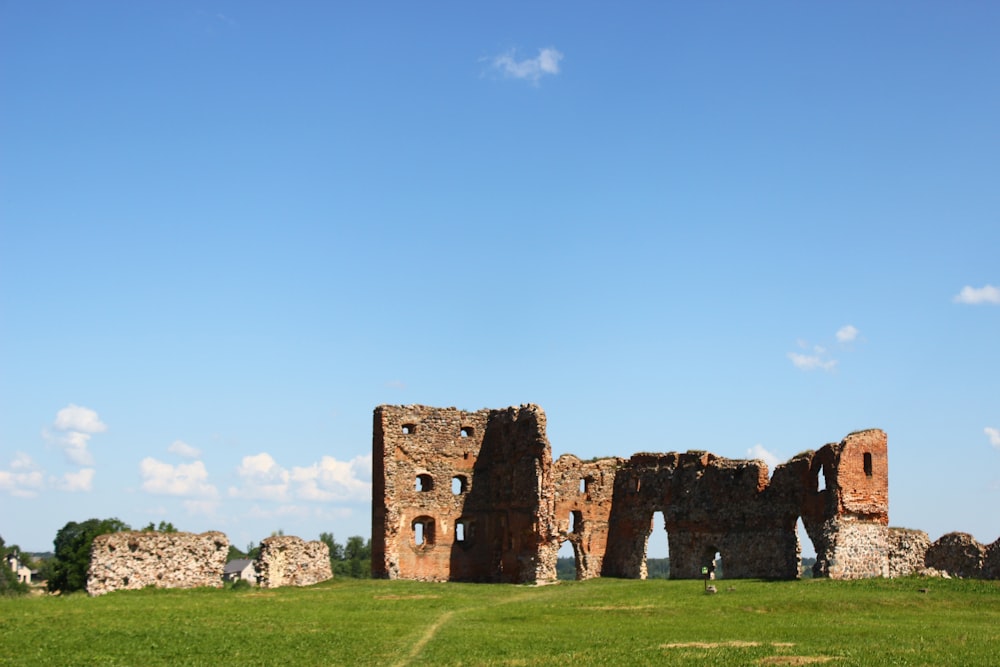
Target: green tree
(9, 585)
(351, 560)
(164, 527)
(68, 568)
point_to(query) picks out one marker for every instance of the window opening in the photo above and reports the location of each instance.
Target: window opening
(821, 478)
(466, 432)
(576, 521)
(459, 484)
(423, 531)
(583, 485)
(424, 483)
(868, 464)
(409, 429)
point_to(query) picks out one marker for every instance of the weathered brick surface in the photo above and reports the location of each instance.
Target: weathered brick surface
(475, 496)
(907, 551)
(286, 560)
(958, 554)
(134, 560)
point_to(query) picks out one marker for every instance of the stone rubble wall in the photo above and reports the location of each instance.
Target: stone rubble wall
(135, 560)
(907, 551)
(958, 554)
(286, 560)
(991, 562)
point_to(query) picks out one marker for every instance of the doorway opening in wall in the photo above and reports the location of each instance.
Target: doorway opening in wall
(807, 551)
(566, 562)
(658, 549)
(712, 560)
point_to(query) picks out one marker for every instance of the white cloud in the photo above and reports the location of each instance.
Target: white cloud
(759, 452)
(24, 479)
(529, 69)
(994, 435)
(331, 479)
(183, 449)
(77, 424)
(975, 296)
(77, 418)
(324, 481)
(185, 479)
(847, 333)
(808, 362)
(262, 477)
(81, 480)
(206, 507)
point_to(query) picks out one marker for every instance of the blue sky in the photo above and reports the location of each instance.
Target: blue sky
(229, 230)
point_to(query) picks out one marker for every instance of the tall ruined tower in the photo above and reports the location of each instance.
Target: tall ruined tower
(845, 508)
(461, 496)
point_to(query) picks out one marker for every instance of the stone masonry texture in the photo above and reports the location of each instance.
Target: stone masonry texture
(476, 496)
(286, 560)
(134, 560)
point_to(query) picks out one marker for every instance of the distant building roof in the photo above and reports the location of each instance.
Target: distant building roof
(237, 565)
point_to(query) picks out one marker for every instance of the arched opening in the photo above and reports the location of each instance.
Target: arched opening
(464, 531)
(459, 484)
(658, 549)
(466, 432)
(409, 429)
(711, 562)
(424, 483)
(567, 563)
(807, 550)
(423, 531)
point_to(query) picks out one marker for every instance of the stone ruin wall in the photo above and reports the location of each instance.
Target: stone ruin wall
(135, 560)
(286, 560)
(475, 496)
(461, 495)
(907, 551)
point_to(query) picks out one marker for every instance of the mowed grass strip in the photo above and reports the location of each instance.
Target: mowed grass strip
(606, 621)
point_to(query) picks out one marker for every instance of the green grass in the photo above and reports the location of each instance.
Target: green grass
(599, 622)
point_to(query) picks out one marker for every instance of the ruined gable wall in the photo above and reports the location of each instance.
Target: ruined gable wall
(516, 462)
(286, 560)
(847, 520)
(134, 560)
(420, 451)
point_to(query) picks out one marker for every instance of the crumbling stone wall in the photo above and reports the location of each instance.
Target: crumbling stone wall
(475, 496)
(907, 550)
(464, 496)
(991, 562)
(286, 560)
(134, 560)
(958, 554)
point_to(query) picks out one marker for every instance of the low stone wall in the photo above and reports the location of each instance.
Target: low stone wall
(991, 563)
(134, 560)
(907, 551)
(958, 554)
(286, 560)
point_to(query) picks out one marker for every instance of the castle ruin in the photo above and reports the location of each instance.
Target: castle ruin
(476, 496)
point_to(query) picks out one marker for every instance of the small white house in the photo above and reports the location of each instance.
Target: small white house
(240, 568)
(23, 573)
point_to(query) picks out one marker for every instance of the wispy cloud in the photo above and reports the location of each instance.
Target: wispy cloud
(181, 448)
(818, 357)
(76, 425)
(185, 479)
(977, 295)
(327, 480)
(994, 435)
(847, 334)
(23, 478)
(81, 480)
(528, 69)
(759, 452)
(812, 362)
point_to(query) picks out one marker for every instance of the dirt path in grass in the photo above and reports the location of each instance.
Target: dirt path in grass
(428, 635)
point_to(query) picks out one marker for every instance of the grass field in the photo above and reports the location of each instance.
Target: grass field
(599, 622)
